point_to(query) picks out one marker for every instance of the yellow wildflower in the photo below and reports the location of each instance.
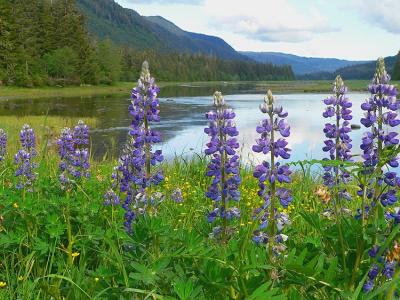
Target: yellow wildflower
(75, 254)
(97, 279)
(20, 278)
(15, 205)
(2, 284)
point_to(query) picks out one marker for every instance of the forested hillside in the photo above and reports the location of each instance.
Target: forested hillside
(106, 18)
(396, 68)
(46, 42)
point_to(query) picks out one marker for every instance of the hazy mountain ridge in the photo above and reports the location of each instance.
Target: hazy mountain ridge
(359, 71)
(301, 65)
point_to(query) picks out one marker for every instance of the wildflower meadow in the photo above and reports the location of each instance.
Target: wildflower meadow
(211, 226)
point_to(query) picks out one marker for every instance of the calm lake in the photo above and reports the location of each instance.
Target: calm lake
(183, 121)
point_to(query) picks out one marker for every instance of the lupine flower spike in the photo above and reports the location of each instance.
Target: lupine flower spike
(134, 175)
(338, 143)
(24, 159)
(3, 144)
(223, 167)
(382, 182)
(74, 154)
(380, 118)
(272, 175)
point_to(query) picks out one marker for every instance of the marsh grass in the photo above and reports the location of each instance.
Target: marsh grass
(123, 88)
(47, 129)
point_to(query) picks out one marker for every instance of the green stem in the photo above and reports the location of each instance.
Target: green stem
(338, 208)
(377, 191)
(69, 233)
(223, 179)
(273, 189)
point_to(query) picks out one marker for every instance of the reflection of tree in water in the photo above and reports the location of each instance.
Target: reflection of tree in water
(113, 116)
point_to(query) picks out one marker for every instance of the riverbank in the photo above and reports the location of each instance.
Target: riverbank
(123, 88)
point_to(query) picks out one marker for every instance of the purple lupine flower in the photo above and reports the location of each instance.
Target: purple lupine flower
(111, 198)
(224, 164)
(24, 159)
(272, 172)
(338, 144)
(381, 118)
(81, 134)
(389, 262)
(74, 154)
(81, 156)
(65, 150)
(134, 175)
(389, 269)
(177, 195)
(28, 139)
(3, 144)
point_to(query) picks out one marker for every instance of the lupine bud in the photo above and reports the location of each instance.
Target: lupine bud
(218, 99)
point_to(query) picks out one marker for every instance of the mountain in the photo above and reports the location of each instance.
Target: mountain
(107, 19)
(365, 70)
(360, 71)
(301, 65)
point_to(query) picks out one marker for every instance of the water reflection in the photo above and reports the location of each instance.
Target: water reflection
(183, 119)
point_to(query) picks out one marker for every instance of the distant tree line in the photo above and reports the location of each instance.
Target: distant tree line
(44, 42)
(396, 70)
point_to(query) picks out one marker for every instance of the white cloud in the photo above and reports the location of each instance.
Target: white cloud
(268, 20)
(384, 13)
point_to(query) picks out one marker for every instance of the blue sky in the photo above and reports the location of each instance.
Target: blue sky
(349, 29)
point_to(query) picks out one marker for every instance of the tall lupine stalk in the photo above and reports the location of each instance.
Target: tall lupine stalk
(24, 160)
(338, 145)
(271, 174)
(74, 165)
(223, 167)
(380, 184)
(3, 144)
(380, 117)
(134, 175)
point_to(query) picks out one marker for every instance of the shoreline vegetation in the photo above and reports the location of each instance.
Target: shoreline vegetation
(123, 88)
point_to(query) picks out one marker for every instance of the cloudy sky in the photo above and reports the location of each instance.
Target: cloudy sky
(350, 29)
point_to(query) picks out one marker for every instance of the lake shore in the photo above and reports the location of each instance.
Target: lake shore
(123, 88)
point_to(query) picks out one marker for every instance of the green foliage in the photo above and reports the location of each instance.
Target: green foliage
(62, 63)
(169, 255)
(396, 69)
(109, 61)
